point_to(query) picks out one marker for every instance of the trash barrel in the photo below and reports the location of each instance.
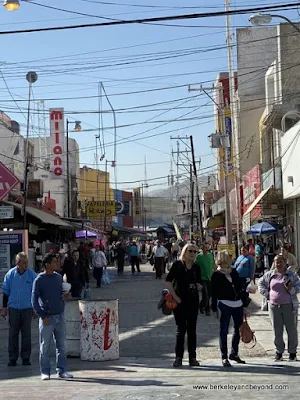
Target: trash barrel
(72, 318)
(99, 331)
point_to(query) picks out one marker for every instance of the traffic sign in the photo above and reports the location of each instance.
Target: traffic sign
(6, 212)
(7, 181)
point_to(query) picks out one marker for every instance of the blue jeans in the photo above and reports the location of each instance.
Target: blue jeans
(237, 316)
(57, 331)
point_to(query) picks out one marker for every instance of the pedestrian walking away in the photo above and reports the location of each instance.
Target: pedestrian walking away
(17, 288)
(120, 257)
(99, 262)
(280, 287)
(160, 253)
(76, 272)
(206, 262)
(48, 303)
(134, 254)
(184, 282)
(227, 295)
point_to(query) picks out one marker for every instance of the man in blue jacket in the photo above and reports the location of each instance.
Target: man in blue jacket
(48, 303)
(17, 287)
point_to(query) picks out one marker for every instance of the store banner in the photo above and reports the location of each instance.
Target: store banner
(57, 143)
(137, 206)
(95, 209)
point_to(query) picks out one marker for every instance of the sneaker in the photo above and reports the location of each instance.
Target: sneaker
(65, 375)
(177, 363)
(226, 363)
(278, 357)
(12, 363)
(237, 359)
(194, 363)
(26, 362)
(45, 377)
(292, 357)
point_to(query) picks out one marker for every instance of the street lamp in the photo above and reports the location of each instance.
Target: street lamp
(11, 5)
(31, 78)
(77, 128)
(264, 19)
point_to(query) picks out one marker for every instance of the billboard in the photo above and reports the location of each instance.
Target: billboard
(57, 143)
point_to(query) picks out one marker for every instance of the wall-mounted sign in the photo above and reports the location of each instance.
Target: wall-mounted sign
(6, 212)
(57, 140)
(95, 209)
(137, 203)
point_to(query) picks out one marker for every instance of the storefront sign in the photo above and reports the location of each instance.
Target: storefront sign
(137, 203)
(57, 140)
(11, 243)
(6, 212)
(95, 209)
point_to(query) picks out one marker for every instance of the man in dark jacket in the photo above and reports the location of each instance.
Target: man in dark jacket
(77, 273)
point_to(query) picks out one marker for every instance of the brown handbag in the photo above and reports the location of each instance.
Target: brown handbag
(247, 335)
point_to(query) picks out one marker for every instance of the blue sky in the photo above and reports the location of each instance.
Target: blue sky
(71, 63)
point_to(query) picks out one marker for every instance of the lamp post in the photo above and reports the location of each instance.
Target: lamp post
(77, 128)
(113, 164)
(11, 5)
(31, 78)
(264, 19)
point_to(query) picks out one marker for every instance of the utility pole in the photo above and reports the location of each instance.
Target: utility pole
(224, 161)
(200, 226)
(192, 201)
(234, 124)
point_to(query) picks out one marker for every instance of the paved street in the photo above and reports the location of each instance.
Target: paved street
(144, 370)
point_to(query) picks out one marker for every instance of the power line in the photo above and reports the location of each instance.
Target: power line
(157, 19)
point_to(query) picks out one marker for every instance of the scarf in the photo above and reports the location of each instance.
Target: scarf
(225, 270)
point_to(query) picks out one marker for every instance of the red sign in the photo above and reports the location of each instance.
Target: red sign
(7, 181)
(57, 142)
(251, 190)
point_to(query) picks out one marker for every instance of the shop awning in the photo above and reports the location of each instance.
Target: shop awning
(44, 217)
(257, 200)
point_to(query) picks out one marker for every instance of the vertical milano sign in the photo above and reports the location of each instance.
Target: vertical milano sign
(57, 141)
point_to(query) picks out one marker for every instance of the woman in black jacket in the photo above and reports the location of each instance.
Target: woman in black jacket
(227, 294)
(183, 283)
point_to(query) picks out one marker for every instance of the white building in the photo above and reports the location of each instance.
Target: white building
(290, 146)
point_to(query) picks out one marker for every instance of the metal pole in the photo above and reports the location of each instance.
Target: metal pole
(142, 206)
(192, 201)
(68, 172)
(227, 199)
(200, 226)
(97, 167)
(25, 183)
(234, 124)
(105, 196)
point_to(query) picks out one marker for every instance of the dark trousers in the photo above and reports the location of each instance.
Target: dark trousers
(120, 263)
(159, 265)
(97, 273)
(206, 295)
(19, 321)
(76, 289)
(186, 320)
(135, 261)
(237, 316)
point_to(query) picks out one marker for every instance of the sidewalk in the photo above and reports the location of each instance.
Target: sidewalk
(147, 340)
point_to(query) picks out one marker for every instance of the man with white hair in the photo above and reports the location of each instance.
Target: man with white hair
(17, 287)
